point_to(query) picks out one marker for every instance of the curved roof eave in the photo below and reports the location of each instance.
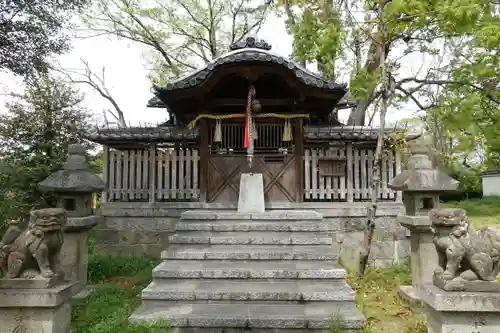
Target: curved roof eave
(198, 77)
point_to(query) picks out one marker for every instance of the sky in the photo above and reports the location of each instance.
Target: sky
(126, 74)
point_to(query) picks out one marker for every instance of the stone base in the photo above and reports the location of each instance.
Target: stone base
(458, 284)
(36, 310)
(460, 322)
(409, 294)
(279, 215)
(251, 199)
(36, 283)
(36, 320)
(461, 312)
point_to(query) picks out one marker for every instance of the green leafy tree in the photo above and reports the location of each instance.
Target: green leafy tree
(33, 30)
(180, 35)
(349, 36)
(34, 136)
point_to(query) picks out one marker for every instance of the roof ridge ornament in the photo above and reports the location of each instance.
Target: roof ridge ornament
(250, 42)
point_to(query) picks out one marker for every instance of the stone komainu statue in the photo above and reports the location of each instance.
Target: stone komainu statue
(464, 253)
(34, 252)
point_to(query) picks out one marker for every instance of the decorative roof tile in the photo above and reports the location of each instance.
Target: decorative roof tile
(251, 51)
(166, 133)
(346, 132)
(142, 134)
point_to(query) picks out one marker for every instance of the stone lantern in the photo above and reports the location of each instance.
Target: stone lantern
(73, 187)
(421, 185)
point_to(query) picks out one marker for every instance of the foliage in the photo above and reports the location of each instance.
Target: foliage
(105, 267)
(483, 212)
(34, 136)
(31, 31)
(96, 162)
(350, 35)
(395, 141)
(377, 296)
(106, 310)
(489, 206)
(468, 177)
(181, 34)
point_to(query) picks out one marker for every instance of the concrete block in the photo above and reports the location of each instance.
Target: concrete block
(248, 269)
(251, 199)
(258, 317)
(37, 310)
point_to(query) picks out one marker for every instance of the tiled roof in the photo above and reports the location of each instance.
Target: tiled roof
(166, 133)
(251, 51)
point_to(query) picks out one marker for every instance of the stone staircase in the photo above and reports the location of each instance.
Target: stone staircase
(268, 272)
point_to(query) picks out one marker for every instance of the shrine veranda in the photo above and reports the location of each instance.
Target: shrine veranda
(309, 160)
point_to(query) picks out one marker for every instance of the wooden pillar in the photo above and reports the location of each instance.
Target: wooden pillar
(299, 160)
(204, 156)
(350, 182)
(399, 194)
(152, 173)
(105, 173)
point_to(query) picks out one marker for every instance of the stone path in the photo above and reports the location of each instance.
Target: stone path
(230, 272)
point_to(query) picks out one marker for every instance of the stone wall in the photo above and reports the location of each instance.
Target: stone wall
(144, 228)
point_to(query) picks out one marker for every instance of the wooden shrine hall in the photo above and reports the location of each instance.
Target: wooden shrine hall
(248, 105)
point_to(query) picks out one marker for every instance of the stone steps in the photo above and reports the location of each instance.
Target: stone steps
(272, 272)
(254, 225)
(251, 237)
(289, 215)
(252, 252)
(243, 269)
(248, 290)
(252, 316)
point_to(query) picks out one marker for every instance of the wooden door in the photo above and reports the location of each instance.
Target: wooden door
(223, 177)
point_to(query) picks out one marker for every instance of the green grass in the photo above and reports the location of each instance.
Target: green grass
(104, 267)
(377, 297)
(120, 280)
(481, 212)
(107, 309)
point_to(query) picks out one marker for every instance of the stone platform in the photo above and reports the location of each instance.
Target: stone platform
(36, 310)
(461, 312)
(263, 272)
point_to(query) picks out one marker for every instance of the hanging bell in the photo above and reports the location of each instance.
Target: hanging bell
(256, 106)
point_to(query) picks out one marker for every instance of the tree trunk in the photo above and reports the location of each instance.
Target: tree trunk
(372, 209)
(376, 54)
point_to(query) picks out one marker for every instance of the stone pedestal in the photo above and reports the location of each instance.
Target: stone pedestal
(74, 251)
(36, 310)
(461, 312)
(251, 198)
(423, 254)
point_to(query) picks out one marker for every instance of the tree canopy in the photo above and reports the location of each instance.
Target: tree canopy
(33, 30)
(34, 136)
(180, 35)
(344, 36)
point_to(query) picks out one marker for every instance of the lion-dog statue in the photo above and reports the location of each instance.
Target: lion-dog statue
(34, 252)
(463, 252)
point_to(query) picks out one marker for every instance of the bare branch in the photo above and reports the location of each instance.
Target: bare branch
(424, 82)
(97, 83)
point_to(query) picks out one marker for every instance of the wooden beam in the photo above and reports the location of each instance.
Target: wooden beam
(152, 173)
(204, 156)
(299, 159)
(350, 181)
(242, 102)
(399, 194)
(105, 173)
